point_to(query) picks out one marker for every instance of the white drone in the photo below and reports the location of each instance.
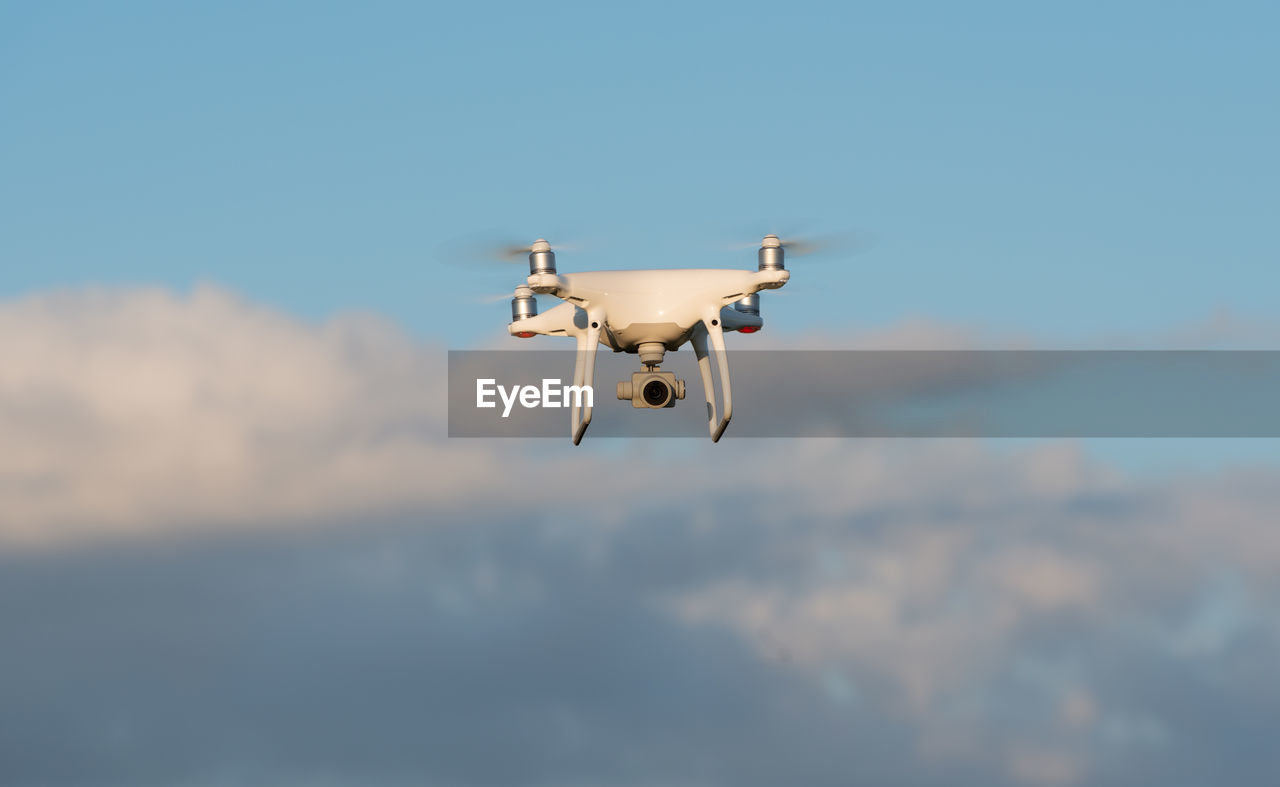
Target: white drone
(648, 312)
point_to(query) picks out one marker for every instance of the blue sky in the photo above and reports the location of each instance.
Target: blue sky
(1066, 171)
(236, 545)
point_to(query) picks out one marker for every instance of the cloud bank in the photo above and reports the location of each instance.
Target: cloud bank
(368, 602)
(127, 411)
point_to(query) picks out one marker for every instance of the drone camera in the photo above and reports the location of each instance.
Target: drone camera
(654, 390)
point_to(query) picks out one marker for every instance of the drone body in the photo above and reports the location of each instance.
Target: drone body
(648, 312)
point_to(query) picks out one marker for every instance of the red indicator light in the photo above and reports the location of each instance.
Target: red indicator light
(748, 329)
(524, 334)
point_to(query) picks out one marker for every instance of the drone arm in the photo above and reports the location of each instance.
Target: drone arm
(769, 279)
(584, 371)
(733, 320)
(548, 284)
(558, 320)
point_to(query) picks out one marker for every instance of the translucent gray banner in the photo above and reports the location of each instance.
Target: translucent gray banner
(979, 393)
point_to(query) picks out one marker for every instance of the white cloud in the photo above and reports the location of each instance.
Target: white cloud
(127, 411)
(913, 579)
(935, 585)
(142, 410)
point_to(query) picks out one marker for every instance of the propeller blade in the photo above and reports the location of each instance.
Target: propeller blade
(490, 299)
(828, 244)
(520, 291)
(491, 249)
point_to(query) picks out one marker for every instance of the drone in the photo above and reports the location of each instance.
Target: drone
(648, 312)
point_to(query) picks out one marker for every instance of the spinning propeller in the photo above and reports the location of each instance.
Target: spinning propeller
(509, 252)
(808, 246)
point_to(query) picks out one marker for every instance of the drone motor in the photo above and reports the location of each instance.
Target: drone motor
(523, 306)
(749, 304)
(541, 258)
(770, 256)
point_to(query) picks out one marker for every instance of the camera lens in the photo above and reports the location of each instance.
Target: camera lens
(655, 393)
